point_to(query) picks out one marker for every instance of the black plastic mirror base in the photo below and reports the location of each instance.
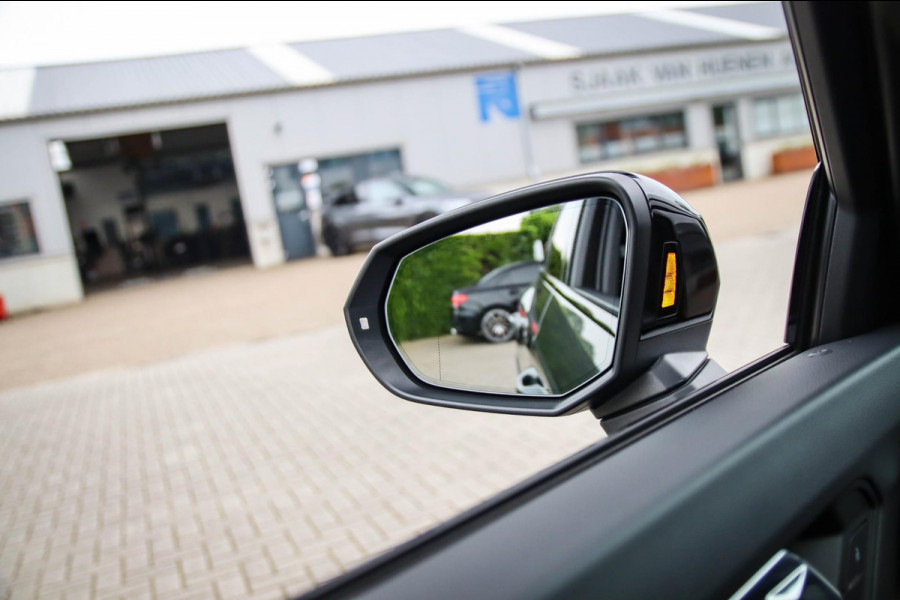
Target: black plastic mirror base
(655, 217)
(672, 378)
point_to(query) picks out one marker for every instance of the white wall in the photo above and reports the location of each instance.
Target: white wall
(25, 174)
(700, 127)
(434, 121)
(35, 282)
(555, 146)
(757, 155)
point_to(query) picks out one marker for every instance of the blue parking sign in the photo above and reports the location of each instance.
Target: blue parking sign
(497, 91)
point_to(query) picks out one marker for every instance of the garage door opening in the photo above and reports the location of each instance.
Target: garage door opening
(152, 205)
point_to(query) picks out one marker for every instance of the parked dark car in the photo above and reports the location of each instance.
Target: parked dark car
(377, 208)
(486, 309)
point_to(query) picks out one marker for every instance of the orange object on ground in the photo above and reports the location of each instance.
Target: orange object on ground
(3, 314)
(794, 159)
(682, 179)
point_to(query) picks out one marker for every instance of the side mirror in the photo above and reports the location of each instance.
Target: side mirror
(618, 319)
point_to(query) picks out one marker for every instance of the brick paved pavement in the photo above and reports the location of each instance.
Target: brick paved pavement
(140, 325)
(256, 470)
(263, 468)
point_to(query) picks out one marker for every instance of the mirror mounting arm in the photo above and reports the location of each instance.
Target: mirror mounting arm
(671, 378)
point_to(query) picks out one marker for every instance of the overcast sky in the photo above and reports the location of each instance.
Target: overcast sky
(35, 33)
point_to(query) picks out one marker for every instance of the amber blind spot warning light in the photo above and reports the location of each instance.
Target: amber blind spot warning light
(668, 297)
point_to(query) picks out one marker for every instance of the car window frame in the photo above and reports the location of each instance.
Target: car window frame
(596, 223)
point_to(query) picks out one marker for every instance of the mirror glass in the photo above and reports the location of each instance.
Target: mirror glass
(527, 304)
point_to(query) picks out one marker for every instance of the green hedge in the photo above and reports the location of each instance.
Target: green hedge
(419, 300)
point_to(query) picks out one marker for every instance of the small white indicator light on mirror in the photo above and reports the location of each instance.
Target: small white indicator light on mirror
(364, 323)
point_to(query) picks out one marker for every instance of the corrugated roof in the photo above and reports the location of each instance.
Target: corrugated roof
(90, 86)
(56, 90)
(615, 34)
(407, 53)
(769, 14)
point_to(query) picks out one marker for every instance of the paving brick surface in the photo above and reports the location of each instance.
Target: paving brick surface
(246, 470)
(261, 469)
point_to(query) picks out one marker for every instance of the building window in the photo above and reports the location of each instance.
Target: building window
(634, 135)
(779, 115)
(17, 237)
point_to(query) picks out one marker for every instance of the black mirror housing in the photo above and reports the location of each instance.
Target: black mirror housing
(660, 345)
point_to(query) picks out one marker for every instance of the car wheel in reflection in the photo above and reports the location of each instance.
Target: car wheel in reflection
(496, 326)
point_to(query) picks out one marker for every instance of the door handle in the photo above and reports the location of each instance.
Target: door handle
(530, 381)
(792, 587)
(787, 577)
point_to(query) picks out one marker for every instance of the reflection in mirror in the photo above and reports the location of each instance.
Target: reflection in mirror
(528, 304)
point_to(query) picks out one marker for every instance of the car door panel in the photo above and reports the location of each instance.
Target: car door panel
(694, 515)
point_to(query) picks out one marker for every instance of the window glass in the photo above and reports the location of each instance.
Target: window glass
(779, 115)
(17, 236)
(764, 117)
(271, 411)
(286, 188)
(634, 135)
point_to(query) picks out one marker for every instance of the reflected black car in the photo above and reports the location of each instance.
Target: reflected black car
(486, 309)
(377, 208)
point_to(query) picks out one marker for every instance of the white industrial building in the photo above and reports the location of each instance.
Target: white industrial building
(113, 168)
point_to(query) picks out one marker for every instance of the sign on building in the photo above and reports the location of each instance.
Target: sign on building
(497, 94)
